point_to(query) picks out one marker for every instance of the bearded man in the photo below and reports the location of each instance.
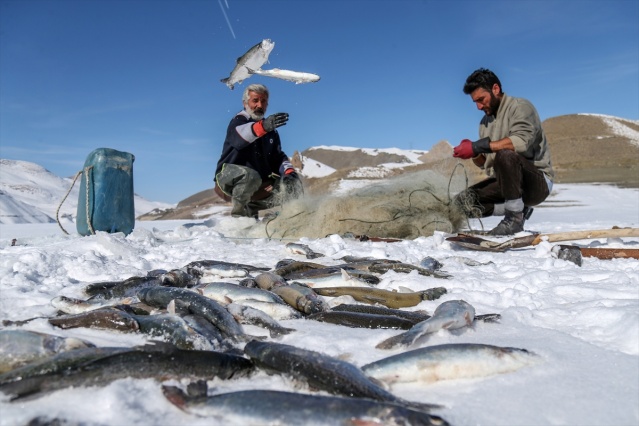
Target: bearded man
(513, 151)
(253, 172)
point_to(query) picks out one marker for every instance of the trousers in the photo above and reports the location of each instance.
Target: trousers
(514, 177)
(249, 194)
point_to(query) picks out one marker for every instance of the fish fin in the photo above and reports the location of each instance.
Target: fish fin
(171, 307)
(346, 275)
(469, 318)
(448, 324)
(347, 356)
(250, 70)
(197, 389)
(176, 396)
(392, 342)
(379, 383)
(275, 333)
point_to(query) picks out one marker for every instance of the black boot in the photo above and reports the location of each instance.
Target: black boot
(512, 223)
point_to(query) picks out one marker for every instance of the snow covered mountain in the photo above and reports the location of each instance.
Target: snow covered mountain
(31, 194)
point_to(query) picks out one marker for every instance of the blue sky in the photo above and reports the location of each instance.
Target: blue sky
(143, 76)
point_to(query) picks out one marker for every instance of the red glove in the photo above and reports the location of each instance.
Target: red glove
(464, 150)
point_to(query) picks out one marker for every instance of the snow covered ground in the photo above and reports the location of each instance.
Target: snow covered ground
(582, 321)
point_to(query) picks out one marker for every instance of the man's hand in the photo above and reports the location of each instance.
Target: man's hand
(274, 121)
(290, 174)
(464, 150)
(468, 149)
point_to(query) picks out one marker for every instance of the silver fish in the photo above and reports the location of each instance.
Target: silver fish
(406, 268)
(332, 270)
(451, 361)
(468, 261)
(19, 347)
(175, 330)
(228, 292)
(248, 315)
(449, 315)
(269, 407)
(321, 372)
(217, 268)
(197, 304)
(297, 248)
(71, 305)
(319, 278)
(253, 59)
(277, 311)
(296, 77)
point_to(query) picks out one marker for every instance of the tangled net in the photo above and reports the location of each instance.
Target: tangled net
(406, 207)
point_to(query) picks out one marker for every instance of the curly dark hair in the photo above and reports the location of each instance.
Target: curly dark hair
(483, 78)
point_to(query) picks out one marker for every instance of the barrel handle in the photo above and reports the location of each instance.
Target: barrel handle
(57, 213)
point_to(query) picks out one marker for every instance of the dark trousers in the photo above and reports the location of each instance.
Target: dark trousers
(514, 177)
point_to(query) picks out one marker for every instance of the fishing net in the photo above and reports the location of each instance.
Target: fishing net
(407, 206)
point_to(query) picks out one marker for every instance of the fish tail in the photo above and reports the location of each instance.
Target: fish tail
(393, 342)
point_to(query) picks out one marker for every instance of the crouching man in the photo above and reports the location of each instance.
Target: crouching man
(253, 172)
(512, 150)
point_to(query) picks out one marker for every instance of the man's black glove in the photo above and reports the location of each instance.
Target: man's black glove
(468, 149)
(274, 121)
(482, 146)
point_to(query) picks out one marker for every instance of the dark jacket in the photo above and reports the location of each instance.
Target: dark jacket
(244, 148)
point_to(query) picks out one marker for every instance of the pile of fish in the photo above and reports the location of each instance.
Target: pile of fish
(194, 325)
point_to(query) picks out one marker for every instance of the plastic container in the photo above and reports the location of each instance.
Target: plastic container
(106, 193)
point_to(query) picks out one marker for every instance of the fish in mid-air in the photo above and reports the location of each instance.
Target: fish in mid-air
(253, 59)
(296, 77)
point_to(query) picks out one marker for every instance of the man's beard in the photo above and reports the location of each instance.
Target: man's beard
(493, 106)
(255, 114)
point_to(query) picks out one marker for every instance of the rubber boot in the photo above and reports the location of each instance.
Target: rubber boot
(240, 210)
(512, 223)
(528, 211)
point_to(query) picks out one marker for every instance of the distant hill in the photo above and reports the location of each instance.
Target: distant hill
(594, 148)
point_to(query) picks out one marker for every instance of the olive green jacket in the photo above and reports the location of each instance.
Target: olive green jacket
(518, 120)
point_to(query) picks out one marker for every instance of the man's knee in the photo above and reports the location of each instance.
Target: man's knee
(240, 179)
(506, 156)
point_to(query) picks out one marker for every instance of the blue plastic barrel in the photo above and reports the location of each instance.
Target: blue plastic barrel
(106, 193)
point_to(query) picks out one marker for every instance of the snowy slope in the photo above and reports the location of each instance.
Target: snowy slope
(31, 194)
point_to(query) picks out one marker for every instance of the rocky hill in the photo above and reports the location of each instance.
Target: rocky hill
(585, 148)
